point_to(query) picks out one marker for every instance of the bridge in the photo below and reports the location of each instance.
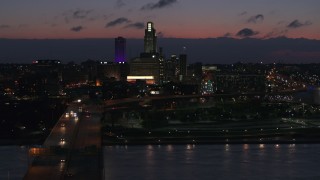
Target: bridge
(148, 99)
(72, 149)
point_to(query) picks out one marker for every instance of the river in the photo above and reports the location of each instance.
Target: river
(153, 162)
(13, 162)
(245, 161)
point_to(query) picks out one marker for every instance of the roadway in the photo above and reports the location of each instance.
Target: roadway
(148, 99)
(86, 156)
(67, 143)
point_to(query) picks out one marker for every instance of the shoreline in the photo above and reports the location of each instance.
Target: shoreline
(210, 143)
(199, 141)
(309, 136)
(162, 141)
(292, 136)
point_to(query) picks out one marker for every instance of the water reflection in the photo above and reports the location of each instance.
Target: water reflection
(189, 152)
(188, 147)
(261, 146)
(188, 162)
(227, 147)
(245, 147)
(169, 148)
(228, 161)
(150, 152)
(292, 146)
(150, 161)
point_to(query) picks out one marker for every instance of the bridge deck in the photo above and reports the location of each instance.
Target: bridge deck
(74, 145)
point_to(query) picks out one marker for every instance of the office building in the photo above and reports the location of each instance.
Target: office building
(120, 49)
(171, 69)
(182, 66)
(150, 39)
(150, 65)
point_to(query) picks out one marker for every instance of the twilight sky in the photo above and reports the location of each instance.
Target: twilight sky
(73, 19)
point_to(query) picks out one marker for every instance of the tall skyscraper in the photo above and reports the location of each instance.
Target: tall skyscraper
(183, 64)
(150, 39)
(150, 64)
(120, 49)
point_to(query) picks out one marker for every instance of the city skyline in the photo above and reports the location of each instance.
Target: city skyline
(159, 89)
(217, 32)
(211, 51)
(175, 19)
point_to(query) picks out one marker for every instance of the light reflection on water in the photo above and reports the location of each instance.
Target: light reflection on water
(229, 161)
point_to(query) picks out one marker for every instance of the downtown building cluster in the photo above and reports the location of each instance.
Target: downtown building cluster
(149, 74)
(151, 66)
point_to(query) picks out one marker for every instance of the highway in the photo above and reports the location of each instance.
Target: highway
(148, 99)
(86, 156)
(72, 149)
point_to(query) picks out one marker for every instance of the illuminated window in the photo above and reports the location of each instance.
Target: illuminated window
(149, 26)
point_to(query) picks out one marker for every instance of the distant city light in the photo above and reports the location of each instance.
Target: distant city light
(140, 77)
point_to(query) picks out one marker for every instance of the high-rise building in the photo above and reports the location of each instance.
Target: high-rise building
(150, 39)
(120, 49)
(183, 64)
(171, 69)
(150, 65)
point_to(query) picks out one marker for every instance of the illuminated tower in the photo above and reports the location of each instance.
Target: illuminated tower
(120, 49)
(150, 39)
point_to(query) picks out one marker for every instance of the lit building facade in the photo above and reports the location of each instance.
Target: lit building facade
(150, 63)
(207, 87)
(147, 66)
(150, 39)
(120, 49)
